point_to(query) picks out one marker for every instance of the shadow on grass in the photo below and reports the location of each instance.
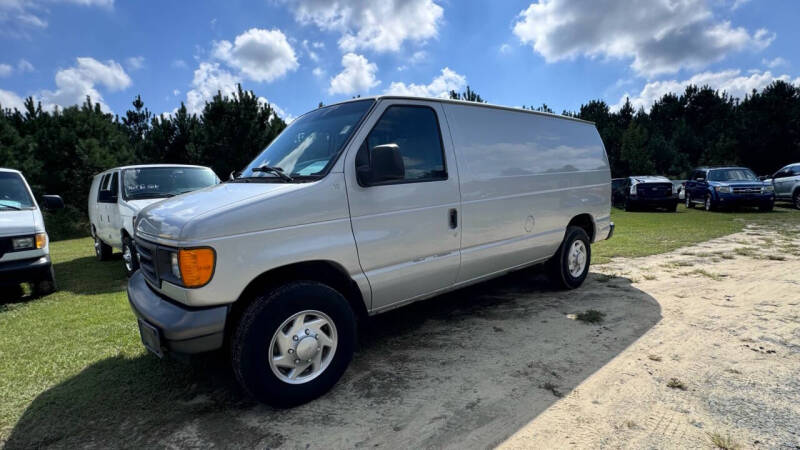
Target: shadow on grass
(87, 275)
(464, 369)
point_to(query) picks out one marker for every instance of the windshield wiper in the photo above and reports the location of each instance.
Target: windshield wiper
(273, 170)
(15, 208)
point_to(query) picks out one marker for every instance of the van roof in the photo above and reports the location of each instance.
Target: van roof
(141, 166)
(3, 169)
(463, 102)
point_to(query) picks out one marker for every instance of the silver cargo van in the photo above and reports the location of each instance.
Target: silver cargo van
(357, 208)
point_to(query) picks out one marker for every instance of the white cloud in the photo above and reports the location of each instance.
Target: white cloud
(101, 3)
(658, 36)
(441, 86)
(208, 80)
(25, 66)
(18, 18)
(260, 55)
(738, 4)
(311, 53)
(379, 25)
(774, 63)
(176, 92)
(358, 76)
(318, 72)
(505, 48)
(731, 81)
(5, 70)
(75, 83)
(10, 100)
(134, 62)
(179, 64)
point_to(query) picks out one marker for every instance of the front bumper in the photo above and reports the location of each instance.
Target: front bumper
(24, 270)
(610, 230)
(181, 329)
(745, 200)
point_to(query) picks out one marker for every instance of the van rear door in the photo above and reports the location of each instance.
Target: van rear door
(407, 228)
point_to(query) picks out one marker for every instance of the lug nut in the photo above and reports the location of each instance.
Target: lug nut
(294, 338)
(308, 331)
(297, 361)
(291, 351)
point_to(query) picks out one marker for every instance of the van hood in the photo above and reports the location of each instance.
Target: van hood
(15, 223)
(167, 218)
(139, 205)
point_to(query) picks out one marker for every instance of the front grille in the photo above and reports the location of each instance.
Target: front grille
(747, 190)
(148, 263)
(5, 246)
(654, 190)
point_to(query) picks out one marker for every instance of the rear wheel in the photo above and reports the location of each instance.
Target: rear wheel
(293, 343)
(570, 265)
(129, 256)
(674, 207)
(629, 206)
(102, 250)
(796, 199)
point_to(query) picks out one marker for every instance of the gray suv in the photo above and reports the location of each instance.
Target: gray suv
(787, 184)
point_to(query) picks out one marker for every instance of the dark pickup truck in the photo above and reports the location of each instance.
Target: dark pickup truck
(639, 192)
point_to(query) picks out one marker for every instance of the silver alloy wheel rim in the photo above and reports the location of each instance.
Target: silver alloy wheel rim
(97, 246)
(688, 201)
(797, 201)
(576, 261)
(708, 204)
(127, 256)
(302, 347)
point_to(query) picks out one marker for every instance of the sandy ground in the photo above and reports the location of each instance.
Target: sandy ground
(506, 363)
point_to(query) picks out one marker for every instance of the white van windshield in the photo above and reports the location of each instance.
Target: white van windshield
(14, 193)
(158, 182)
(309, 144)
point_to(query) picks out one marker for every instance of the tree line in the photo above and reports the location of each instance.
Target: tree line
(59, 151)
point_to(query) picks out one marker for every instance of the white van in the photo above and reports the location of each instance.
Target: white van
(24, 246)
(118, 194)
(357, 208)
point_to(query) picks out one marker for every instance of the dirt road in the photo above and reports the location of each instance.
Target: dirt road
(506, 363)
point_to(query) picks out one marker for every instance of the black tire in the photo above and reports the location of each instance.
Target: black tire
(796, 199)
(102, 250)
(674, 207)
(558, 266)
(708, 204)
(46, 285)
(766, 207)
(129, 259)
(629, 206)
(689, 203)
(251, 349)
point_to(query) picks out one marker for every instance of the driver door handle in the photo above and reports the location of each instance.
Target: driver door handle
(453, 219)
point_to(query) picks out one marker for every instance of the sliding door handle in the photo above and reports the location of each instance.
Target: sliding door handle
(453, 218)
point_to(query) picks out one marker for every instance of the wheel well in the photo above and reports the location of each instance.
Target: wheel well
(325, 272)
(584, 221)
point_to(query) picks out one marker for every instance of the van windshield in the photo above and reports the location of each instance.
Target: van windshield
(306, 148)
(158, 182)
(732, 175)
(14, 193)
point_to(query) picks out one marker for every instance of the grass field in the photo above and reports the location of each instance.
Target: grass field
(72, 366)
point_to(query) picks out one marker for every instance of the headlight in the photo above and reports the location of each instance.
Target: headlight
(633, 189)
(767, 188)
(723, 189)
(196, 266)
(26, 243)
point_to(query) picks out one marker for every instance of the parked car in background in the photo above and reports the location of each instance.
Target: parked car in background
(24, 244)
(679, 189)
(117, 195)
(722, 187)
(357, 208)
(787, 184)
(639, 192)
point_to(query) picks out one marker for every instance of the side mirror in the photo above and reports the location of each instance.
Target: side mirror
(52, 202)
(387, 164)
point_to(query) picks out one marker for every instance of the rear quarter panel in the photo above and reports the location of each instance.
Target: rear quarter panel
(524, 176)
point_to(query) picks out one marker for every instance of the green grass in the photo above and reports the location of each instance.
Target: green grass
(72, 367)
(650, 233)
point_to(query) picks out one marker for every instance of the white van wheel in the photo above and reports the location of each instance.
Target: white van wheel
(293, 343)
(102, 250)
(570, 265)
(129, 256)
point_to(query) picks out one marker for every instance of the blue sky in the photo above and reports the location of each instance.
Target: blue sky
(297, 53)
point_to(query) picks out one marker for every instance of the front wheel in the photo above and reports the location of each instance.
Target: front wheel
(570, 265)
(708, 205)
(129, 256)
(46, 285)
(766, 207)
(689, 203)
(292, 344)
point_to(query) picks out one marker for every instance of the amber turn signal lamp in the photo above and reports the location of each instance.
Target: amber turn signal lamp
(197, 266)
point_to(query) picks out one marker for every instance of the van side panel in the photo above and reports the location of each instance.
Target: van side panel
(92, 206)
(523, 176)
